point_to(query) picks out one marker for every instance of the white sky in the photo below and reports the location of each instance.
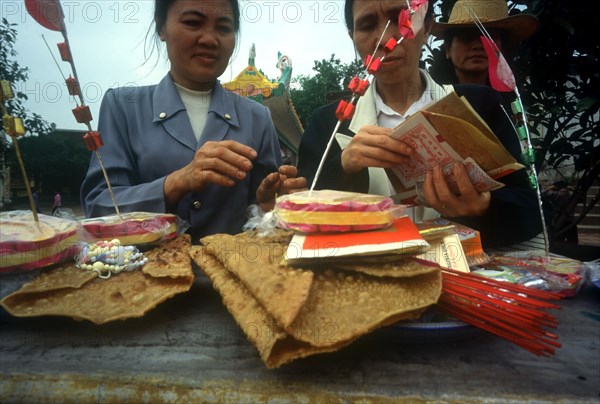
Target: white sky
(107, 41)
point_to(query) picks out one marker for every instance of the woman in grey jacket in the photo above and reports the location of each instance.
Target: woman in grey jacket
(186, 145)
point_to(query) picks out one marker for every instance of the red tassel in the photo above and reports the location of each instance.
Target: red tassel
(353, 85)
(82, 114)
(93, 141)
(73, 86)
(390, 45)
(362, 87)
(375, 66)
(349, 111)
(339, 112)
(65, 53)
(344, 111)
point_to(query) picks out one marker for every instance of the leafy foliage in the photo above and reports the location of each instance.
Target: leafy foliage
(558, 74)
(57, 162)
(54, 161)
(11, 71)
(314, 91)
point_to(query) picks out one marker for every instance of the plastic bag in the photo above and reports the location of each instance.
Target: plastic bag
(133, 228)
(26, 244)
(562, 275)
(335, 211)
(109, 257)
(470, 239)
(593, 268)
(263, 223)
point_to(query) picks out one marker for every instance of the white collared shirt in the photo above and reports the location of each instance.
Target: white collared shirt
(388, 118)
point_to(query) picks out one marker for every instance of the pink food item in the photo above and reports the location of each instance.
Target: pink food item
(26, 244)
(133, 228)
(334, 211)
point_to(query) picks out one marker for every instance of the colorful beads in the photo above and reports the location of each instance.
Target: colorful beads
(108, 257)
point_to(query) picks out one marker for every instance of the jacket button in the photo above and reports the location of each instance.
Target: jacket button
(162, 115)
(197, 205)
(227, 116)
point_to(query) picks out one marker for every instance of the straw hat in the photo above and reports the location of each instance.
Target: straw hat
(493, 14)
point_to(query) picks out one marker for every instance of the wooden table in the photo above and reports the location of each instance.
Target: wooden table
(189, 349)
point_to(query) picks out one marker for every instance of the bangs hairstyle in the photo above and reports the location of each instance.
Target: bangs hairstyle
(161, 8)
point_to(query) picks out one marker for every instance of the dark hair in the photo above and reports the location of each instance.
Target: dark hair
(161, 9)
(445, 72)
(349, 13)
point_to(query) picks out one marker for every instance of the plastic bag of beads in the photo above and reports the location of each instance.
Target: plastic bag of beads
(109, 257)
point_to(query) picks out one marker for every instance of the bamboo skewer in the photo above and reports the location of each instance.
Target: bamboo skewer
(9, 94)
(50, 15)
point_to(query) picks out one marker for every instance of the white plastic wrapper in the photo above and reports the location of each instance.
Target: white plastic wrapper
(335, 211)
(26, 244)
(133, 228)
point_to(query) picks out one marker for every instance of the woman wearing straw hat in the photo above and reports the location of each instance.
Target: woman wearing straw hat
(462, 43)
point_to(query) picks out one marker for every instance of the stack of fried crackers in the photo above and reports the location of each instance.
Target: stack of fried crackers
(290, 312)
(80, 294)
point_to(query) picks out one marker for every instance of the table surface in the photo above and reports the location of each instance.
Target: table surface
(189, 349)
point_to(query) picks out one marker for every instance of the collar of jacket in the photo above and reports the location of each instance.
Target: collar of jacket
(169, 111)
(166, 100)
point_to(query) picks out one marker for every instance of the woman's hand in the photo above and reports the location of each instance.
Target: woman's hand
(283, 182)
(466, 201)
(373, 147)
(221, 163)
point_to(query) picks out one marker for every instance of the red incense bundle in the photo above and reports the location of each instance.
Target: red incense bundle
(513, 312)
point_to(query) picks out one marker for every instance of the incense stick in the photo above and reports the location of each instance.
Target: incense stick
(512, 312)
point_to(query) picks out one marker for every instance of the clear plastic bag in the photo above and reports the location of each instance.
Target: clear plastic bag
(133, 228)
(562, 275)
(26, 244)
(335, 211)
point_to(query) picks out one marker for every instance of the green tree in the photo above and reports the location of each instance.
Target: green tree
(57, 162)
(34, 123)
(558, 74)
(54, 159)
(10, 70)
(332, 76)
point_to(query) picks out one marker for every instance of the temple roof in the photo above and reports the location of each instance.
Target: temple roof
(274, 94)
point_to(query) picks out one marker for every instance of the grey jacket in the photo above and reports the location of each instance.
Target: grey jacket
(147, 135)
